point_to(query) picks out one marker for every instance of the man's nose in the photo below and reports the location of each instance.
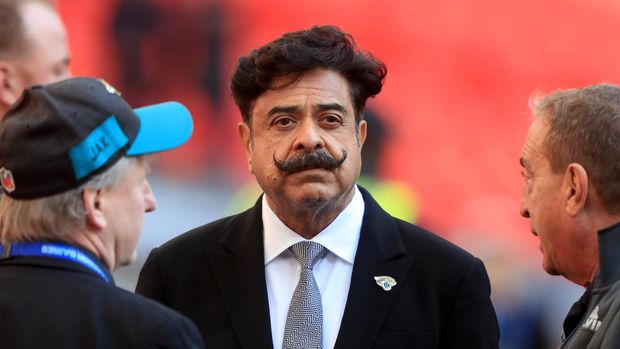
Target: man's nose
(150, 203)
(308, 137)
(523, 209)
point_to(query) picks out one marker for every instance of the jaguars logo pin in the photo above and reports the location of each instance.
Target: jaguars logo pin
(385, 282)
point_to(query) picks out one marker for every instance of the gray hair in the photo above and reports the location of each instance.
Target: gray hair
(584, 128)
(55, 216)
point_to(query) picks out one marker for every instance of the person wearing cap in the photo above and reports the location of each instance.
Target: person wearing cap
(73, 166)
(317, 263)
(33, 47)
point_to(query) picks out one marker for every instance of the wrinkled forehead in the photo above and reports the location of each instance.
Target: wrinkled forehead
(319, 78)
(313, 88)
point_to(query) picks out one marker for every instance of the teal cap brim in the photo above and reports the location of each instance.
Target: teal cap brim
(162, 126)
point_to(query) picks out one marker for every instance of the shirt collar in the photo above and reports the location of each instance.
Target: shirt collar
(340, 237)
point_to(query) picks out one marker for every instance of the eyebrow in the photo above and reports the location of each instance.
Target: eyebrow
(283, 109)
(292, 109)
(331, 106)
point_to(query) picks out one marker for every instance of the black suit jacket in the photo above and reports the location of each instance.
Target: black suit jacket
(52, 303)
(215, 275)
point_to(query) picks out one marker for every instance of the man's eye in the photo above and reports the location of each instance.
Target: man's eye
(284, 122)
(332, 119)
(61, 71)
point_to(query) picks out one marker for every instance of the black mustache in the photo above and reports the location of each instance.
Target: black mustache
(316, 159)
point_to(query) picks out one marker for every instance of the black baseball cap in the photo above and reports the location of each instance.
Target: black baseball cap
(58, 136)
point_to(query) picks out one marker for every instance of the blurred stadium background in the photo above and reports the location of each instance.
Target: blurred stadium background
(450, 121)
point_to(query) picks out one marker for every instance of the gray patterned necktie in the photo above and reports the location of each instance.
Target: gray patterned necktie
(304, 323)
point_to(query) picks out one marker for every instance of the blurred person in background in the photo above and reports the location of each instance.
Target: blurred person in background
(73, 170)
(571, 166)
(33, 47)
(317, 263)
(152, 36)
(396, 197)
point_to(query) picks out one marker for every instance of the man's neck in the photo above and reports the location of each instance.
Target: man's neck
(94, 244)
(593, 222)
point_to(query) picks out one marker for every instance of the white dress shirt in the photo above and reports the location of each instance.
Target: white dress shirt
(332, 272)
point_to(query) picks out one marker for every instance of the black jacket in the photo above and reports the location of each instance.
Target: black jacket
(54, 303)
(215, 275)
(594, 321)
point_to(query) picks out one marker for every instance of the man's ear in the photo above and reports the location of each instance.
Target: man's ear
(362, 130)
(10, 88)
(575, 187)
(95, 216)
(245, 135)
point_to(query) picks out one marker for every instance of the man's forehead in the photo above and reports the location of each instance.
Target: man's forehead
(323, 77)
(533, 149)
(318, 90)
(44, 30)
(537, 133)
(38, 16)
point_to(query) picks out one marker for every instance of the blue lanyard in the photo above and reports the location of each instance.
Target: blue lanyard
(52, 250)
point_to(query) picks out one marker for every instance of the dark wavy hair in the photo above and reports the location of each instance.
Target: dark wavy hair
(296, 53)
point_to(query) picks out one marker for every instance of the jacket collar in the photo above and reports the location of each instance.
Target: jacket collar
(239, 270)
(380, 252)
(609, 260)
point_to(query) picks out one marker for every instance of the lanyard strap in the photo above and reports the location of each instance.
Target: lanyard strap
(52, 250)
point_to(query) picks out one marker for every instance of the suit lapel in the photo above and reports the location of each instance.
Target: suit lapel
(240, 273)
(380, 253)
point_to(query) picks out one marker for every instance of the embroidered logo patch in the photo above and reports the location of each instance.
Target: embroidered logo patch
(592, 323)
(6, 179)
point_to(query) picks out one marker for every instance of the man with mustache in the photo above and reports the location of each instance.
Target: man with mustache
(316, 263)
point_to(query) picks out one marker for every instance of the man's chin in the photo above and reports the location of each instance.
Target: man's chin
(550, 268)
(129, 259)
(311, 194)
